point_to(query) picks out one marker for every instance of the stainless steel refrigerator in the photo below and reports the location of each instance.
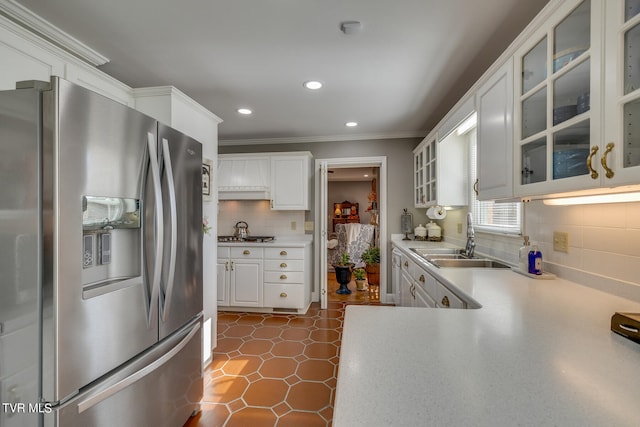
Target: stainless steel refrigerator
(101, 262)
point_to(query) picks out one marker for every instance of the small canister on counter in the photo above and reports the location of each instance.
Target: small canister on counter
(420, 232)
(434, 231)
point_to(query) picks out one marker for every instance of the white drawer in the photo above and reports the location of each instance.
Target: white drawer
(284, 253)
(283, 296)
(284, 265)
(447, 299)
(427, 281)
(284, 277)
(224, 251)
(249, 253)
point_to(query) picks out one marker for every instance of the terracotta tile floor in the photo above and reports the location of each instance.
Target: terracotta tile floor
(273, 369)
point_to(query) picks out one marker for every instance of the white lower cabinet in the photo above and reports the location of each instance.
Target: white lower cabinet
(447, 299)
(246, 277)
(265, 279)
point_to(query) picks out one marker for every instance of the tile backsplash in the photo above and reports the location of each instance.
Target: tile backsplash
(261, 219)
(604, 242)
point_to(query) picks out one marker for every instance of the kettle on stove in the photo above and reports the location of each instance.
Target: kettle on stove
(241, 230)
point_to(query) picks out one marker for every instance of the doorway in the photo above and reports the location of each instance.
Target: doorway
(347, 170)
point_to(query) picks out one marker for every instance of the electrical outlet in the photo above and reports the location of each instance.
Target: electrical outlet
(561, 241)
(293, 225)
(308, 226)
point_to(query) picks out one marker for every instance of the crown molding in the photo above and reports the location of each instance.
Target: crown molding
(326, 138)
(34, 23)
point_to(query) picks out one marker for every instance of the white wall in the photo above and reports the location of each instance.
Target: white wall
(261, 219)
(604, 242)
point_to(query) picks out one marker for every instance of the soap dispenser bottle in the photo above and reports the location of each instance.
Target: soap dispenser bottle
(535, 261)
(523, 255)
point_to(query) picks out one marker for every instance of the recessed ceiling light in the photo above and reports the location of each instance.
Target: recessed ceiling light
(313, 84)
(351, 124)
(366, 175)
(244, 111)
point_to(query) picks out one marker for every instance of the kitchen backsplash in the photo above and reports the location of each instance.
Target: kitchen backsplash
(261, 219)
(604, 242)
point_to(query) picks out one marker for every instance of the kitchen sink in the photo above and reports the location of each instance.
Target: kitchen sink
(468, 263)
(431, 252)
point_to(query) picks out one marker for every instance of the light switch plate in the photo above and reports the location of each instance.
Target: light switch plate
(561, 241)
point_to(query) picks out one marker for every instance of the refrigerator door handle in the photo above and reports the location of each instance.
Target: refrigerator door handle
(138, 375)
(159, 231)
(174, 228)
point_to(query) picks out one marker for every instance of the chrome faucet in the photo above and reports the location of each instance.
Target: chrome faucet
(470, 249)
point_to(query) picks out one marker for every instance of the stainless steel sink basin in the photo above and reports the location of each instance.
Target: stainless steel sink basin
(431, 252)
(469, 263)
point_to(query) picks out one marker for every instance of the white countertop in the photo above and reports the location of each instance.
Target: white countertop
(292, 241)
(538, 352)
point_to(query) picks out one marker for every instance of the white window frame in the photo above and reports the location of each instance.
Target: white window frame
(484, 213)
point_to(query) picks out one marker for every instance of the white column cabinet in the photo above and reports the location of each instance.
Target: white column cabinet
(494, 100)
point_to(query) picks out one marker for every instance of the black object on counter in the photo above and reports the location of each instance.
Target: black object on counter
(627, 325)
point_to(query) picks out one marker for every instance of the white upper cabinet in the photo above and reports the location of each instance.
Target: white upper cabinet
(621, 144)
(441, 171)
(290, 181)
(494, 101)
(558, 102)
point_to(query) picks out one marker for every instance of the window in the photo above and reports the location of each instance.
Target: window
(490, 216)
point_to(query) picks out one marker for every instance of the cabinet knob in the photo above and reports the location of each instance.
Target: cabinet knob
(594, 173)
(603, 160)
(283, 253)
(283, 265)
(283, 276)
(283, 294)
(246, 252)
(406, 264)
(445, 301)
(421, 278)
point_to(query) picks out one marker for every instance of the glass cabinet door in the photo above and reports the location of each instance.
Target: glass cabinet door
(554, 101)
(419, 178)
(631, 73)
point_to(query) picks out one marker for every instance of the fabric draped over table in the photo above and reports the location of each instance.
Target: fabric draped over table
(354, 239)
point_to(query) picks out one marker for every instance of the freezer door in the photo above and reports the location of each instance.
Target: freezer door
(100, 308)
(180, 295)
(161, 388)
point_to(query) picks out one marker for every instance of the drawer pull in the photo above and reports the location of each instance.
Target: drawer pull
(406, 264)
(421, 278)
(246, 252)
(445, 301)
(283, 265)
(283, 276)
(283, 253)
(283, 294)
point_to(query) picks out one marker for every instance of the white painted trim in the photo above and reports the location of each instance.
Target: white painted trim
(321, 232)
(328, 138)
(39, 26)
(143, 92)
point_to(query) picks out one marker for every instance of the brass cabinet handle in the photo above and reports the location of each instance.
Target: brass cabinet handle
(475, 187)
(603, 160)
(231, 265)
(226, 266)
(445, 301)
(246, 252)
(283, 294)
(283, 253)
(406, 263)
(594, 173)
(283, 265)
(283, 276)
(421, 278)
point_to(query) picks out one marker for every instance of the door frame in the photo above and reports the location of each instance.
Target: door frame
(321, 220)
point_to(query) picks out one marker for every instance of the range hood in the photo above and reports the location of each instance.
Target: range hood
(244, 193)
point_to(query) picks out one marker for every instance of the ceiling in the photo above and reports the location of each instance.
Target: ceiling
(351, 174)
(397, 77)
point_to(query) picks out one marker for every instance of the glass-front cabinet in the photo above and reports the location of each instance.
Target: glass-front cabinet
(424, 173)
(622, 92)
(577, 105)
(557, 102)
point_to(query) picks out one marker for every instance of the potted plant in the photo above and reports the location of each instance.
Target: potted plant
(371, 258)
(343, 273)
(359, 274)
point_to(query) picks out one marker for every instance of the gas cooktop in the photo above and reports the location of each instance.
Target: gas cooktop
(251, 239)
